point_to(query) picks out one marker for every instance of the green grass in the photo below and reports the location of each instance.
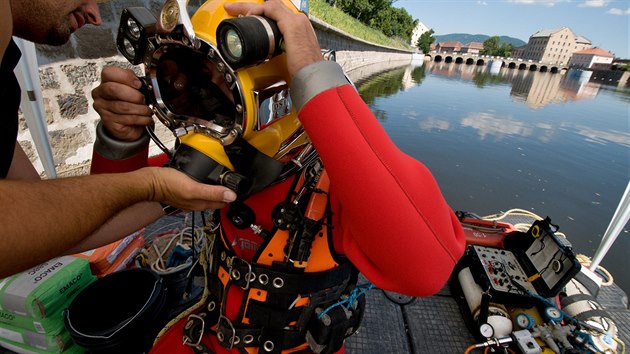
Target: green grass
(337, 18)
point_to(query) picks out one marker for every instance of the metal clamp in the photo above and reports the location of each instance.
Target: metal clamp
(221, 335)
(234, 273)
(188, 330)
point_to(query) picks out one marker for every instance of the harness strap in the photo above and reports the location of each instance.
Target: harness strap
(268, 340)
(246, 275)
(284, 306)
(586, 315)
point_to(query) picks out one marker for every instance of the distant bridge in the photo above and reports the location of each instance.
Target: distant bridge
(511, 63)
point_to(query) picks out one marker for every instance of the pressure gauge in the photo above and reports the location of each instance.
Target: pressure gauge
(525, 321)
(486, 330)
(553, 314)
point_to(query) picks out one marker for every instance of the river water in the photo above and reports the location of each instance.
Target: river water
(556, 145)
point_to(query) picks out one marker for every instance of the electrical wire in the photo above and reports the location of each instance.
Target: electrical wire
(158, 142)
(354, 295)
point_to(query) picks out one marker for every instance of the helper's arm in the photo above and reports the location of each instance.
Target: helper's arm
(42, 219)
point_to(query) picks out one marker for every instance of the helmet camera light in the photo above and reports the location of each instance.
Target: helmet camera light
(248, 40)
(137, 24)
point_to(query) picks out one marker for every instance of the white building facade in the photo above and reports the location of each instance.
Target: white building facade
(417, 32)
(554, 46)
(589, 58)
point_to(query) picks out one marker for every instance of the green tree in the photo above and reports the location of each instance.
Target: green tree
(425, 41)
(380, 15)
(493, 46)
(394, 22)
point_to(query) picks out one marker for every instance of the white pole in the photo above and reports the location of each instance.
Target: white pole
(618, 222)
(32, 104)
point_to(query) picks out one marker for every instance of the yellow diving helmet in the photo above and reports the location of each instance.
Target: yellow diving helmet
(221, 85)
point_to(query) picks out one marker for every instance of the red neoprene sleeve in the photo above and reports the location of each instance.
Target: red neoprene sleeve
(393, 221)
(101, 164)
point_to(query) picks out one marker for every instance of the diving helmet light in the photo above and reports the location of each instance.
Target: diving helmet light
(137, 25)
(248, 40)
(217, 107)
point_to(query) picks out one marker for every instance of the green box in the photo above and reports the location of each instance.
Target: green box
(22, 348)
(44, 290)
(48, 343)
(50, 325)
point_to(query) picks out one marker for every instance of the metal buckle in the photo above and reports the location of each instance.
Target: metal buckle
(220, 327)
(187, 330)
(249, 277)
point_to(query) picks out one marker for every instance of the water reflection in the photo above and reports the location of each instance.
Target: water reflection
(390, 82)
(487, 124)
(495, 140)
(534, 89)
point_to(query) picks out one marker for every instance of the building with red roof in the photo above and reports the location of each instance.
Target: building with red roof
(591, 58)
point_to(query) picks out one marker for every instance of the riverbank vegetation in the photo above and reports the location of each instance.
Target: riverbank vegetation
(338, 17)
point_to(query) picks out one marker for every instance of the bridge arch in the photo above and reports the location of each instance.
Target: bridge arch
(480, 60)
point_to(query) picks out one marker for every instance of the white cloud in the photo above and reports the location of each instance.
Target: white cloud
(594, 3)
(616, 11)
(538, 2)
(482, 3)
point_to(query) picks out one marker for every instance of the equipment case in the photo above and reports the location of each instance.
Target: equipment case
(536, 263)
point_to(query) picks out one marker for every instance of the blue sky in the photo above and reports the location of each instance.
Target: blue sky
(606, 23)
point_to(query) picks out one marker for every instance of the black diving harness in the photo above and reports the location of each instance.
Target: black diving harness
(283, 306)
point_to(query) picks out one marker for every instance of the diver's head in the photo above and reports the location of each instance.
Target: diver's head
(221, 85)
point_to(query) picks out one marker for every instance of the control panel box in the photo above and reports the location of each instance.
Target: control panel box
(534, 263)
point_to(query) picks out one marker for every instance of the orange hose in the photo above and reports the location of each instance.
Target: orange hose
(470, 349)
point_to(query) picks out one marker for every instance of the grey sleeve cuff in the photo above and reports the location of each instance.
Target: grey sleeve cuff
(114, 149)
(314, 79)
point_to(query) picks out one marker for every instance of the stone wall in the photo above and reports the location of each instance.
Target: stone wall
(68, 74)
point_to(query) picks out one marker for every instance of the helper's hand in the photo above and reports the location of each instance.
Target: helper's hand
(174, 188)
(299, 37)
(121, 105)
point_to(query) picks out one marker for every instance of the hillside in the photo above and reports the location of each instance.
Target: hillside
(465, 38)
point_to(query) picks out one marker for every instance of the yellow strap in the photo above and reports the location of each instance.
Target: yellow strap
(533, 277)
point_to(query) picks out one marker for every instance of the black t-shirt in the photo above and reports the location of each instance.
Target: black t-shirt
(9, 105)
